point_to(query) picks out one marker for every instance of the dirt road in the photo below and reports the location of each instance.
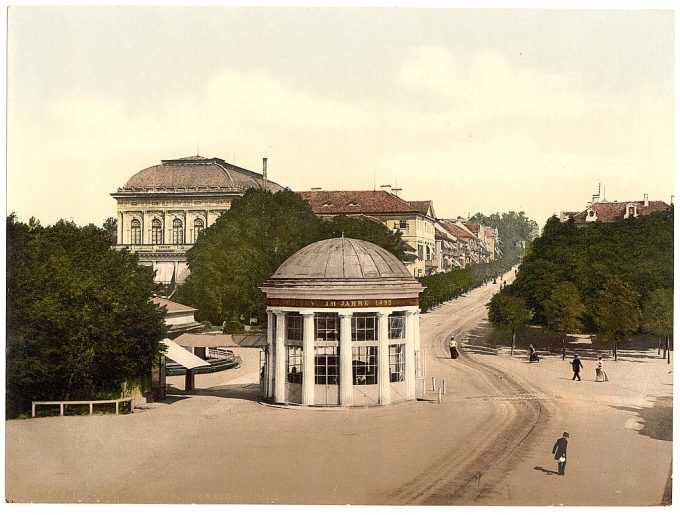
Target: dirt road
(488, 443)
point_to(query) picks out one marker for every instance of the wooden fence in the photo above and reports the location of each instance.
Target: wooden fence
(61, 404)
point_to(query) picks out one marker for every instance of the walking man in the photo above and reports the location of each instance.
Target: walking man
(560, 453)
(576, 367)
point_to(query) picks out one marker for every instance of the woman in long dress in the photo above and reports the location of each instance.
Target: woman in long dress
(453, 348)
(600, 372)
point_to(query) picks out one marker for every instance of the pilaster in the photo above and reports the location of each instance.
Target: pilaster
(346, 383)
(383, 360)
(307, 358)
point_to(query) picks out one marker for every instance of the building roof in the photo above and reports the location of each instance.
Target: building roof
(222, 340)
(364, 202)
(474, 228)
(172, 306)
(195, 173)
(612, 211)
(456, 230)
(439, 235)
(425, 207)
(341, 258)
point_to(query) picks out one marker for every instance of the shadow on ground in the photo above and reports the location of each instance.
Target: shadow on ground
(547, 472)
(657, 419)
(248, 392)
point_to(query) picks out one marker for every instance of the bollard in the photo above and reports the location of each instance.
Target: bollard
(439, 395)
(443, 386)
(434, 386)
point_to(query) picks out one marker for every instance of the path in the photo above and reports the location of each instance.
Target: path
(488, 443)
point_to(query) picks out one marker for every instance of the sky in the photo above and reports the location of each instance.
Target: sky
(478, 110)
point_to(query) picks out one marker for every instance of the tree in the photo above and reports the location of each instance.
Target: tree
(245, 246)
(617, 313)
(364, 229)
(657, 316)
(563, 310)
(508, 313)
(515, 231)
(80, 321)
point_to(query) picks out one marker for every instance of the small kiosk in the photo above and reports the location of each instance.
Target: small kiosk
(342, 327)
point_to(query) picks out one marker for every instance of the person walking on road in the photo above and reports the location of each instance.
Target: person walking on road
(576, 366)
(560, 453)
(600, 372)
(453, 347)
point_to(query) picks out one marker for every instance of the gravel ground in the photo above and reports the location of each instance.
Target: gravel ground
(489, 442)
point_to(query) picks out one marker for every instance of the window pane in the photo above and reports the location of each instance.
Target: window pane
(365, 365)
(294, 327)
(294, 365)
(326, 327)
(396, 323)
(397, 363)
(364, 327)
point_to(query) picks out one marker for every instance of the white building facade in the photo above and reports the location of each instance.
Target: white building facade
(343, 328)
(162, 210)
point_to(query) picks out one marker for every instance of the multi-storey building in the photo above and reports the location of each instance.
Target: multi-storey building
(414, 219)
(162, 209)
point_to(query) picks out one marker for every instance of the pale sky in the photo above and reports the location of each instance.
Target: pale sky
(477, 110)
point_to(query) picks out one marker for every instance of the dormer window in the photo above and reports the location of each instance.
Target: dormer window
(327, 204)
(631, 211)
(352, 204)
(591, 215)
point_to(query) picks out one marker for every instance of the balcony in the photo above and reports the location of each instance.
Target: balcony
(154, 248)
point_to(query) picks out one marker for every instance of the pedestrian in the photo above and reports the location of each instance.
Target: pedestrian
(533, 355)
(560, 453)
(453, 347)
(576, 366)
(600, 372)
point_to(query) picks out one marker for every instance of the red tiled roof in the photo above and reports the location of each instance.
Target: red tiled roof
(438, 235)
(473, 227)
(423, 206)
(356, 202)
(456, 230)
(612, 211)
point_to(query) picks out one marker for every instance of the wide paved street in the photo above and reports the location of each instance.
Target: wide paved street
(489, 442)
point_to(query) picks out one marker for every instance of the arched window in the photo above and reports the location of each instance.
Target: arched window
(135, 232)
(177, 231)
(199, 226)
(156, 232)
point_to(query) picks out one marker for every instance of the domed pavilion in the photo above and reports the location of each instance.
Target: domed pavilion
(342, 327)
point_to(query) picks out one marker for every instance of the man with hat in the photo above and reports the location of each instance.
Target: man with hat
(560, 452)
(576, 366)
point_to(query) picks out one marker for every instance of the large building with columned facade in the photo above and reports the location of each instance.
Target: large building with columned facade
(343, 327)
(162, 209)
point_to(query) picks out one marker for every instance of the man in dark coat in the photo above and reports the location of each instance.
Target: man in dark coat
(560, 452)
(576, 367)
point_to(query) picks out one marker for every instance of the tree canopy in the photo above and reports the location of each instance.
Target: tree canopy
(563, 309)
(617, 311)
(515, 231)
(245, 246)
(508, 313)
(636, 251)
(80, 321)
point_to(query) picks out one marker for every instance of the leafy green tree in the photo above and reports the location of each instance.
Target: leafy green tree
(515, 231)
(563, 310)
(508, 313)
(80, 321)
(363, 228)
(245, 246)
(618, 312)
(657, 316)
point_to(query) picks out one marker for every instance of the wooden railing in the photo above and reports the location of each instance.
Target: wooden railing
(61, 404)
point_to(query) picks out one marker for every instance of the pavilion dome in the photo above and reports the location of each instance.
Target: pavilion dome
(342, 258)
(196, 173)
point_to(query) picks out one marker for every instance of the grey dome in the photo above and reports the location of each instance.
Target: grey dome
(342, 258)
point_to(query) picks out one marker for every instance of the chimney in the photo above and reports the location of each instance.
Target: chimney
(264, 173)
(385, 187)
(646, 202)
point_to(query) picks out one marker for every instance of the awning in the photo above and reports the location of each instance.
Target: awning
(164, 272)
(183, 357)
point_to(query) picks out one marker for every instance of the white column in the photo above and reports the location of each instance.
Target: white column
(383, 360)
(280, 358)
(269, 387)
(416, 340)
(410, 358)
(308, 358)
(346, 386)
